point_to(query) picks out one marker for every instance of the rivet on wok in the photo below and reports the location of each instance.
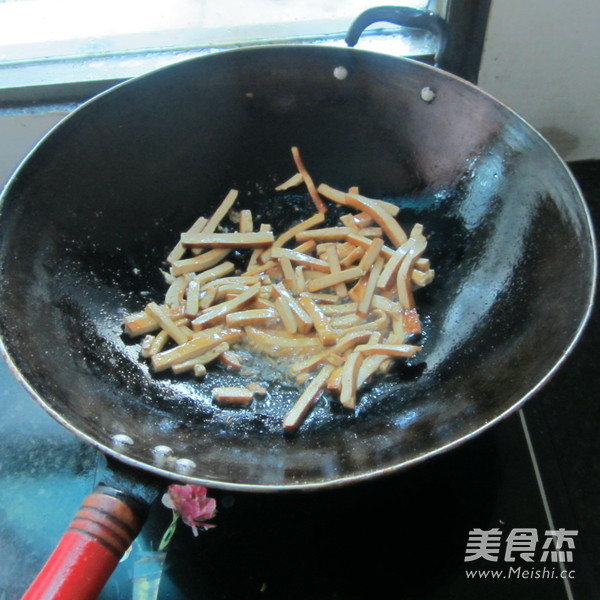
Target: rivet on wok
(161, 454)
(340, 73)
(184, 465)
(427, 94)
(120, 440)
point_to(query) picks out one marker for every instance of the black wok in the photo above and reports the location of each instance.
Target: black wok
(87, 220)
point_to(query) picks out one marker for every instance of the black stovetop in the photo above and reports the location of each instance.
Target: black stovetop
(537, 470)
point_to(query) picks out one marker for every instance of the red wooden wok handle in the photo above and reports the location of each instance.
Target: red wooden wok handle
(87, 554)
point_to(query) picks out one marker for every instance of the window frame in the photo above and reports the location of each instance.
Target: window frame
(37, 84)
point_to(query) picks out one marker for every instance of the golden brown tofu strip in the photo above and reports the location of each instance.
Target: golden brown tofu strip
(349, 377)
(302, 317)
(370, 256)
(190, 349)
(403, 279)
(294, 418)
(179, 249)
(301, 258)
(146, 345)
(334, 383)
(250, 317)
(340, 198)
(256, 253)
(278, 345)
(214, 273)
(321, 298)
(365, 243)
(393, 350)
(233, 395)
(332, 280)
(420, 278)
(199, 263)
(326, 234)
(284, 238)
(383, 218)
(289, 276)
(312, 190)
(286, 314)
(258, 269)
(349, 221)
(166, 323)
(192, 300)
(332, 194)
(199, 370)
(371, 232)
(231, 360)
(387, 305)
(306, 247)
(413, 247)
(208, 297)
(423, 264)
(221, 212)
(293, 181)
(326, 334)
(348, 320)
(349, 340)
(218, 313)
(300, 279)
(174, 295)
(364, 306)
(334, 264)
(351, 258)
(246, 221)
(257, 389)
(204, 359)
(228, 240)
(139, 323)
(372, 363)
(339, 309)
(381, 324)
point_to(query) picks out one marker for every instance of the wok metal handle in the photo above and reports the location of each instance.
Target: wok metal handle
(100, 533)
(406, 17)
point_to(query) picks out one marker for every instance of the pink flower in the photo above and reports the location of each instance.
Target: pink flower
(192, 504)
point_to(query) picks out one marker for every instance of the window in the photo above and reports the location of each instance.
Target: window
(49, 42)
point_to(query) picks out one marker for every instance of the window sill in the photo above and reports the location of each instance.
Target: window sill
(32, 86)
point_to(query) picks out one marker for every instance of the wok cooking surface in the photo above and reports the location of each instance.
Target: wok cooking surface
(335, 545)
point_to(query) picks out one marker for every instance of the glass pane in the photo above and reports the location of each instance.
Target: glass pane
(33, 29)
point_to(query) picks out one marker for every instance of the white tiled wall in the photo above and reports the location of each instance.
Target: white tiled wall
(542, 58)
(18, 135)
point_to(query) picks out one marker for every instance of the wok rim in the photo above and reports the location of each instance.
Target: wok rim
(347, 479)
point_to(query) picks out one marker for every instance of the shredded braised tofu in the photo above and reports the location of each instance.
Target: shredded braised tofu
(333, 302)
